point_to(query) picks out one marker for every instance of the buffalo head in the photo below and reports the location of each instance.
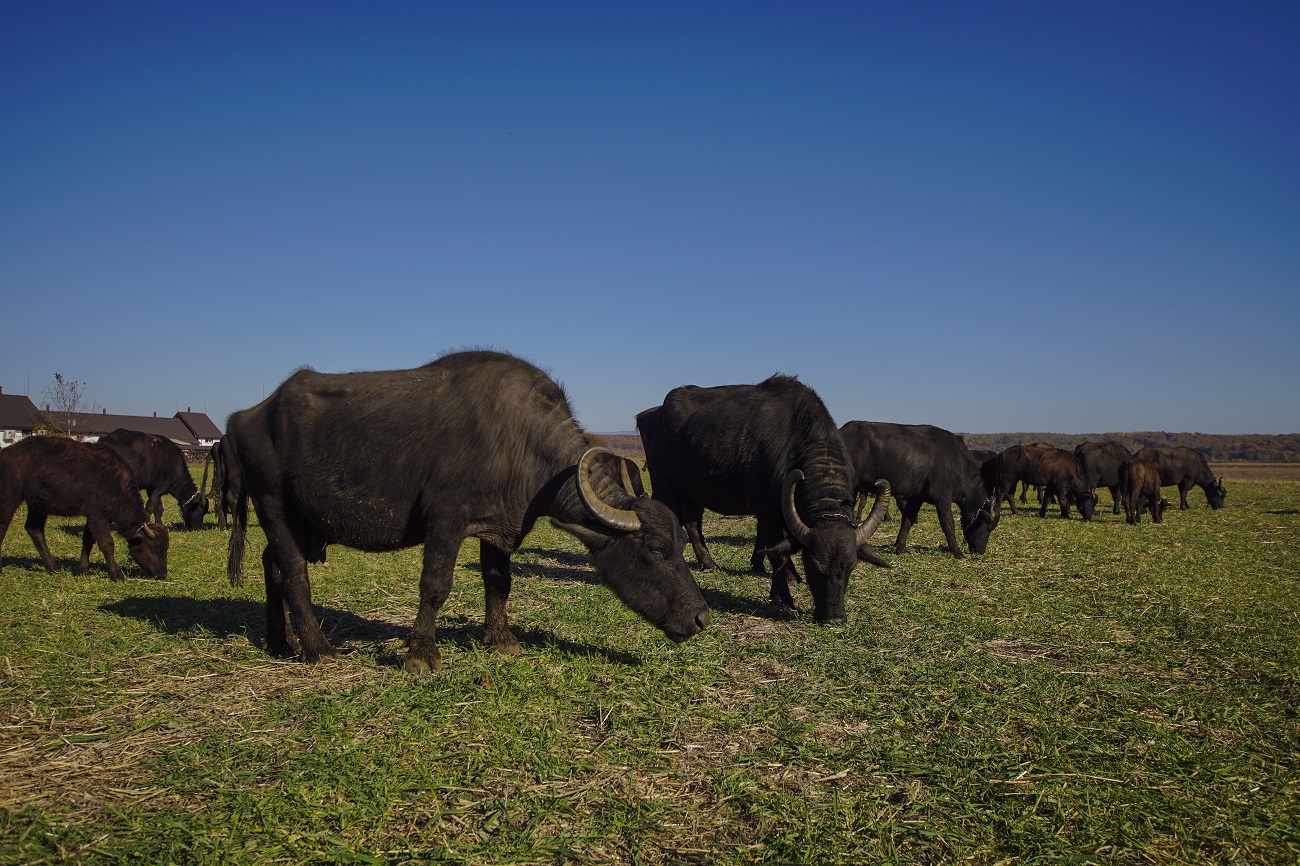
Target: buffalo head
(1216, 493)
(148, 547)
(977, 527)
(1086, 501)
(194, 509)
(636, 547)
(832, 546)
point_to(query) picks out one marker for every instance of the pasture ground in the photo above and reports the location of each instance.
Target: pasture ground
(1085, 692)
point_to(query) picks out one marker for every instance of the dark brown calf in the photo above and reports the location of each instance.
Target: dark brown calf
(1139, 483)
(55, 475)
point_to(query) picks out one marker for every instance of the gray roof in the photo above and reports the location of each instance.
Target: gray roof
(17, 412)
(89, 424)
(200, 425)
(184, 428)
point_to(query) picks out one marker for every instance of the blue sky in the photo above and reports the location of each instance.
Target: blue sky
(1064, 217)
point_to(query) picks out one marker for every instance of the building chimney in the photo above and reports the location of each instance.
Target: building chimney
(155, 414)
(105, 411)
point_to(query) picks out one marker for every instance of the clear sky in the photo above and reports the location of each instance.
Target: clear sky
(1005, 216)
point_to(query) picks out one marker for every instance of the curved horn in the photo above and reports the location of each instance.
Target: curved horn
(146, 531)
(878, 509)
(615, 518)
(793, 521)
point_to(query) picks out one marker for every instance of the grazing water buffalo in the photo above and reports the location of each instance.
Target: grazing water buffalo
(1185, 468)
(923, 464)
(473, 444)
(1139, 483)
(56, 475)
(227, 483)
(158, 467)
(987, 461)
(770, 450)
(1100, 462)
(1057, 470)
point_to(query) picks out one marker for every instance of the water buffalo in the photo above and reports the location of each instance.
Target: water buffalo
(771, 450)
(1185, 468)
(158, 467)
(226, 482)
(1057, 470)
(475, 444)
(57, 475)
(924, 464)
(1100, 462)
(1139, 483)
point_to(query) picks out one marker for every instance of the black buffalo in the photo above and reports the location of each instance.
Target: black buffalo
(771, 450)
(1100, 462)
(1058, 472)
(1185, 468)
(57, 475)
(1139, 483)
(158, 467)
(474, 444)
(227, 483)
(924, 464)
(987, 460)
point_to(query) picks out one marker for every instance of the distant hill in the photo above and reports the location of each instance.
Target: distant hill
(1219, 448)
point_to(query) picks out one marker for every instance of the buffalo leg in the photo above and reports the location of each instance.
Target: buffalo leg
(691, 523)
(908, 510)
(768, 536)
(435, 585)
(781, 573)
(495, 565)
(949, 530)
(7, 510)
(87, 544)
(98, 532)
(1183, 487)
(1114, 499)
(153, 507)
(35, 527)
(290, 572)
(277, 614)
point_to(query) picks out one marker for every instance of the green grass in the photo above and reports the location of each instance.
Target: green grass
(1083, 693)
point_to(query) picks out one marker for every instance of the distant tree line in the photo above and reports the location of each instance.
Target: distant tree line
(1226, 448)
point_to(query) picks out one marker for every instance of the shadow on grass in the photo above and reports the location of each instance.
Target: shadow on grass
(234, 617)
(98, 570)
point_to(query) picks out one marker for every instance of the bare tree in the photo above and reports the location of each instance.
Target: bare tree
(64, 400)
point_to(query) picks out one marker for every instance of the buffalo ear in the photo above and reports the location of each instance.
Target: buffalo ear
(866, 554)
(591, 538)
(784, 547)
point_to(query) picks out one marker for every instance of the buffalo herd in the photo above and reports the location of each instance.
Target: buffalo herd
(482, 444)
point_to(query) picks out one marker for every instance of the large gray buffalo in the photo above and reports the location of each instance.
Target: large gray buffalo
(474, 444)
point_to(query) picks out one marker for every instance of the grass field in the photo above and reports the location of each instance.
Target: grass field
(1085, 692)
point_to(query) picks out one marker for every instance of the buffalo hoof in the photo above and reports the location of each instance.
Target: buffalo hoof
(319, 656)
(421, 664)
(506, 644)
